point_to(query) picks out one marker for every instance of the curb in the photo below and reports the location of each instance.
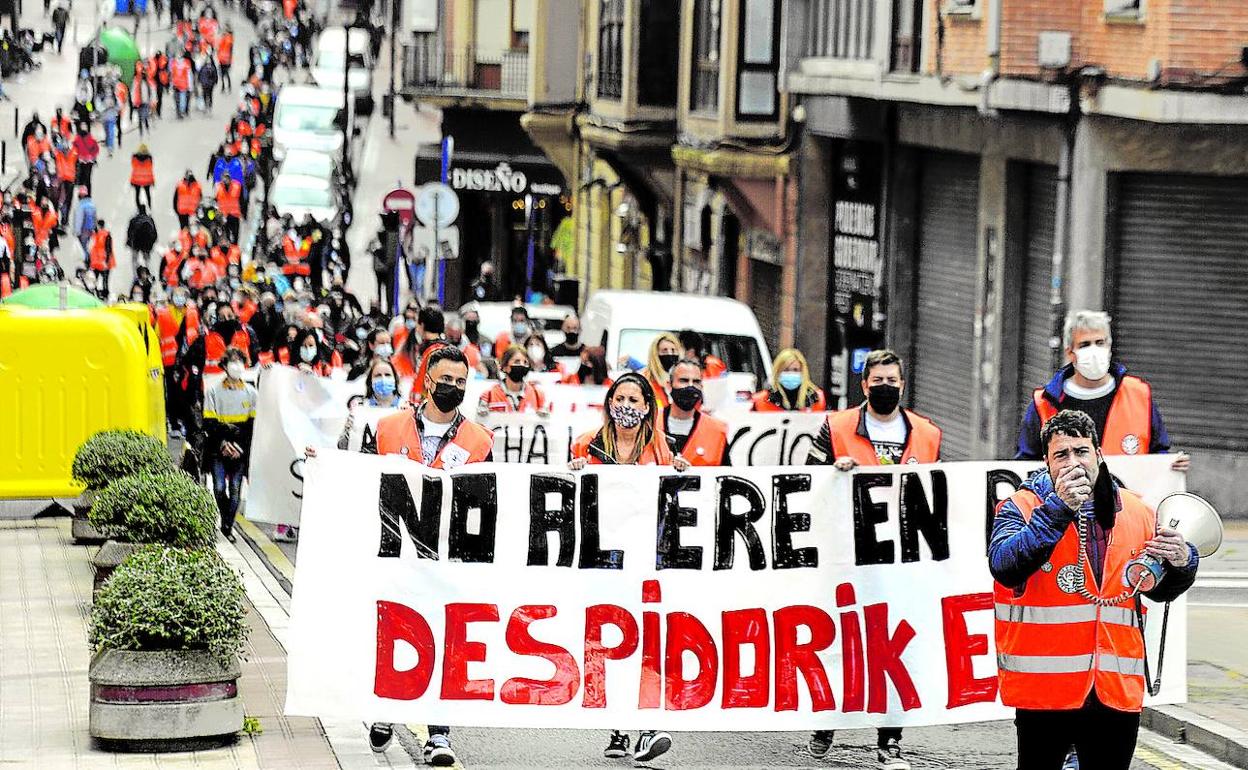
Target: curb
(1216, 739)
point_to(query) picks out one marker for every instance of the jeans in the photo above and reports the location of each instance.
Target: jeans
(182, 100)
(144, 118)
(1103, 737)
(110, 132)
(227, 485)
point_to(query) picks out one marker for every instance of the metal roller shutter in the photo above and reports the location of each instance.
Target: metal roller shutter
(1035, 361)
(941, 362)
(1180, 315)
(765, 289)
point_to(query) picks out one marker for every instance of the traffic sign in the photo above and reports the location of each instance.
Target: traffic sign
(437, 205)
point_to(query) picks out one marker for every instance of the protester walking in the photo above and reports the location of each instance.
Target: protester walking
(791, 389)
(229, 417)
(102, 258)
(186, 198)
(698, 437)
(513, 394)
(88, 151)
(225, 57)
(141, 236)
(142, 175)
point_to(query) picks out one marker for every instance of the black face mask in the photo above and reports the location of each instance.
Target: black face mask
(447, 397)
(517, 373)
(686, 398)
(884, 398)
(470, 328)
(571, 338)
(668, 360)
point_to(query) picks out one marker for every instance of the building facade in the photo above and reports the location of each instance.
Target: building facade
(971, 169)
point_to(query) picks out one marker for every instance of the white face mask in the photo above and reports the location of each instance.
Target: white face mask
(536, 354)
(307, 354)
(1092, 362)
(234, 370)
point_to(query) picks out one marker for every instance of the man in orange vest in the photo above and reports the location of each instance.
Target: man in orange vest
(142, 175)
(1070, 642)
(879, 432)
(229, 195)
(1120, 405)
(227, 332)
(102, 259)
(438, 435)
(182, 73)
(66, 158)
(698, 437)
(225, 57)
(186, 198)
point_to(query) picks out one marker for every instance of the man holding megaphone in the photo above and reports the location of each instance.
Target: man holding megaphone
(1069, 626)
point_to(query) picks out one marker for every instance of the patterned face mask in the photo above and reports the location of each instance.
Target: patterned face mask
(626, 416)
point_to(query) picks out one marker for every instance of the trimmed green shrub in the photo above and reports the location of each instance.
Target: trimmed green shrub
(163, 598)
(169, 507)
(111, 454)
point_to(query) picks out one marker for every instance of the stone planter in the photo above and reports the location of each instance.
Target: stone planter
(109, 557)
(163, 701)
(83, 531)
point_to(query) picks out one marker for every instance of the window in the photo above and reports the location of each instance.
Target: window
(758, 95)
(960, 6)
(1124, 7)
(704, 84)
(659, 59)
(611, 49)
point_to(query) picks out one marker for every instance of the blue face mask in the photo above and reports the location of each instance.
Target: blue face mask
(790, 380)
(384, 386)
(519, 330)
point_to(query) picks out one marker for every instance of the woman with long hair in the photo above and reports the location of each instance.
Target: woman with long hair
(381, 389)
(313, 357)
(665, 351)
(629, 436)
(513, 394)
(791, 389)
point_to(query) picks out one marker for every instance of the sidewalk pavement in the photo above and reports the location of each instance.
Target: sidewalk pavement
(1215, 718)
(45, 601)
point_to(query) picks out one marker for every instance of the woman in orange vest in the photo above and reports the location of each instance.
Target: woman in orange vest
(66, 158)
(629, 436)
(102, 259)
(226, 333)
(142, 175)
(229, 195)
(698, 437)
(37, 145)
(186, 198)
(181, 73)
(225, 57)
(44, 220)
(593, 369)
(1069, 635)
(665, 351)
(513, 394)
(791, 388)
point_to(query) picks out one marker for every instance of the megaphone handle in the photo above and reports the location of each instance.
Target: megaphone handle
(1154, 686)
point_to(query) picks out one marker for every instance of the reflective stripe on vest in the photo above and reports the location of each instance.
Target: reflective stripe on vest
(1069, 664)
(1129, 425)
(1076, 613)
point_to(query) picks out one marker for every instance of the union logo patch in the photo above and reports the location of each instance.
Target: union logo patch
(1130, 444)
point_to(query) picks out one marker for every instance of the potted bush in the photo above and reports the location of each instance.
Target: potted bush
(168, 507)
(167, 630)
(105, 457)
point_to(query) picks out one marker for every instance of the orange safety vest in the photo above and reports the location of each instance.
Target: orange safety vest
(188, 197)
(660, 393)
(922, 442)
(468, 443)
(215, 347)
(229, 197)
(201, 273)
(66, 164)
(102, 257)
(208, 28)
(167, 329)
(288, 8)
(1129, 426)
(122, 93)
(173, 266)
(1053, 647)
(141, 173)
(43, 222)
(713, 367)
(761, 402)
(37, 147)
(296, 252)
(496, 399)
(160, 64)
(180, 69)
(656, 452)
(708, 443)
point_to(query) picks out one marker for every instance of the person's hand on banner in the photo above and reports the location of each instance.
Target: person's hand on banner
(1182, 462)
(680, 463)
(577, 463)
(309, 452)
(845, 463)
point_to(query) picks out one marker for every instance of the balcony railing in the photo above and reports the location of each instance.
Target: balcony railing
(840, 29)
(430, 67)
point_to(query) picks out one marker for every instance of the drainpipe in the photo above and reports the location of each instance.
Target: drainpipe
(993, 70)
(1061, 228)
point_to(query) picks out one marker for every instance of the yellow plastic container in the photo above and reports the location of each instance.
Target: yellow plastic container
(64, 375)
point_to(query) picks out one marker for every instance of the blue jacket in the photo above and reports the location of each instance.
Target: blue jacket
(1019, 547)
(1029, 434)
(83, 220)
(233, 165)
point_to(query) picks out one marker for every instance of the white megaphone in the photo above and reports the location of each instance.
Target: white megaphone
(1195, 519)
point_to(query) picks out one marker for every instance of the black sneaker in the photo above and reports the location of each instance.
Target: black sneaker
(618, 746)
(820, 743)
(1072, 760)
(651, 744)
(438, 751)
(888, 757)
(380, 735)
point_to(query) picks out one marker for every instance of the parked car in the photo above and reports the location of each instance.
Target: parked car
(313, 163)
(300, 194)
(332, 50)
(310, 118)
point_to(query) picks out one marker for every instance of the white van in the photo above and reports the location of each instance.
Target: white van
(327, 65)
(309, 118)
(626, 322)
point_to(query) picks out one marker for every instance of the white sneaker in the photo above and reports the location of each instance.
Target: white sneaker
(651, 744)
(889, 757)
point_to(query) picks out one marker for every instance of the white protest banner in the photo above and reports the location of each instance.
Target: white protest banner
(364, 424)
(631, 597)
(295, 410)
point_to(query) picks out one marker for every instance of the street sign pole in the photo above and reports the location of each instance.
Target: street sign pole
(431, 259)
(448, 148)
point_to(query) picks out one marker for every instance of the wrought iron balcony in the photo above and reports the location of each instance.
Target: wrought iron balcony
(431, 68)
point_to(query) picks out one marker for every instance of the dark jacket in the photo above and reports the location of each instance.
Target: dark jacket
(141, 233)
(1029, 434)
(1019, 547)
